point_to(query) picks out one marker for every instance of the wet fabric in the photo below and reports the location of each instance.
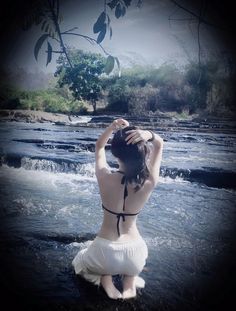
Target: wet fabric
(105, 257)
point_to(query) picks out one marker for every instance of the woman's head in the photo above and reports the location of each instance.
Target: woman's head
(133, 157)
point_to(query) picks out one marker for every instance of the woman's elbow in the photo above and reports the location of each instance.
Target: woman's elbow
(159, 143)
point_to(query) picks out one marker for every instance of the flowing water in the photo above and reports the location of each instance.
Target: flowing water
(50, 207)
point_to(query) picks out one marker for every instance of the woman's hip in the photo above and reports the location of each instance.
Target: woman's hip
(118, 257)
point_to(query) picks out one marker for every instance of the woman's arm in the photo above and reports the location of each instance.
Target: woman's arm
(156, 152)
(155, 158)
(101, 167)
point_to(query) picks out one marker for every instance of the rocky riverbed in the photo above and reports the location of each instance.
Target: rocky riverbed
(159, 122)
(50, 207)
(31, 116)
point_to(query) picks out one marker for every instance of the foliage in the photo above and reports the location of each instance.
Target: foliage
(119, 96)
(83, 79)
(46, 15)
(142, 100)
(168, 88)
(198, 86)
(221, 97)
(153, 88)
(200, 83)
(139, 91)
(50, 100)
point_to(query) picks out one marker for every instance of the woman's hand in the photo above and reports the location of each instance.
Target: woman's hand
(119, 123)
(137, 135)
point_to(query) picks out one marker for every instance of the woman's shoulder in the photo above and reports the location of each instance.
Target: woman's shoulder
(107, 174)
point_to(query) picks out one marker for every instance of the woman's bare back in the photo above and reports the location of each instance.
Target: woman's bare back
(112, 195)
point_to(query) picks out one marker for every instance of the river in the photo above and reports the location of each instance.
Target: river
(50, 208)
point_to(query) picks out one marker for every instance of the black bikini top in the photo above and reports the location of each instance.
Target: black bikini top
(121, 215)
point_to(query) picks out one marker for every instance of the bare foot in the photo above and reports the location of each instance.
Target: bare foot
(139, 282)
(129, 287)
(110, 289)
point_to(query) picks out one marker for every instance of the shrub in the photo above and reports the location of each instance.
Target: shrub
(118, 97)
(142, 100)
(221, 97)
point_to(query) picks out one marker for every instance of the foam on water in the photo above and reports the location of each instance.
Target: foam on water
(80, 119)
(169, 180)
(85, 172)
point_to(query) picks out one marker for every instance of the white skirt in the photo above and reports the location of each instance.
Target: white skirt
(105, 257)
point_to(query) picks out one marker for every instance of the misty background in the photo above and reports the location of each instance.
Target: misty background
(155, 33)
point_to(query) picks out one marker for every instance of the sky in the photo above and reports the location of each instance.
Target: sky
(143, 36)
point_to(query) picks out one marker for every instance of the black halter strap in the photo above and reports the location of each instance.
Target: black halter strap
(121, 215)
(124, 182)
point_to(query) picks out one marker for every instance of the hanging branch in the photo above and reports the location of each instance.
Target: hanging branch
(57, 27)
(201, 13)
(198, 17)
(50, 18)
(91, 40)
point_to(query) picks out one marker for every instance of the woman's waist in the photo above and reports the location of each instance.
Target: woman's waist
(127, 234)
(124, 238)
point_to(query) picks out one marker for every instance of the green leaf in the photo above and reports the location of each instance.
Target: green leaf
(110, 32)
(102, 34)
(118, 11)
(98, 26)
(49, 58)
(117, 61)
(109, 64)
(118, 65)
(112, 4)
(39, 44)
(108, 20)
(123, 11)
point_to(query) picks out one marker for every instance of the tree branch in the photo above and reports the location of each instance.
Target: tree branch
(55, 21)
(58, 52)
(198, 40)
(57, 1)
(72, 29)
(199, 17)
(91, 40)
(183, 19)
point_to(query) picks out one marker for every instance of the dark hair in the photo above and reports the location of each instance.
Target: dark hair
(133, 156)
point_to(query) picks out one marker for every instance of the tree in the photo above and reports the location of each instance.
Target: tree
(118, 95)
(200, 88)
(46, 14)
(84, 77)
(218, 15)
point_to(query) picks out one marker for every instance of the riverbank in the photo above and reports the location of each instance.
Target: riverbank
(161, 122)
(31, 116)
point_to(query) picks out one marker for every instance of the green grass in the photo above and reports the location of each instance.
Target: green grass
(50, 100)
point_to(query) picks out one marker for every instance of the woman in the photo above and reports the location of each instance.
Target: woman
(118, 247)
